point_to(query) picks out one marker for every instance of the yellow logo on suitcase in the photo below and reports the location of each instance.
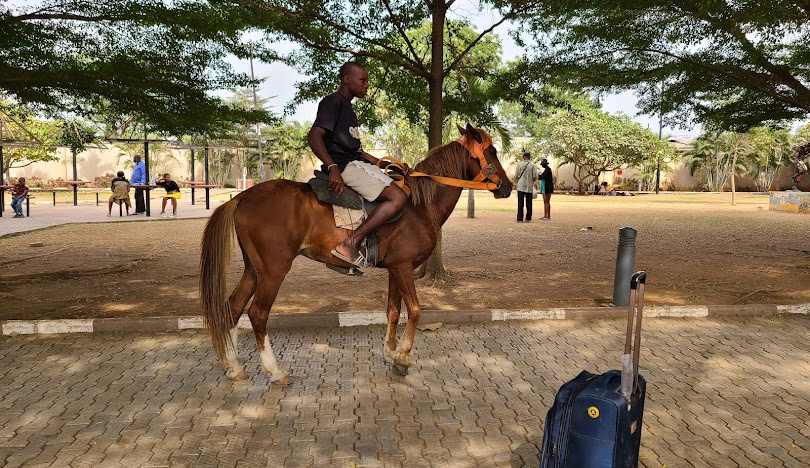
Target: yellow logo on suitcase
(593, 412)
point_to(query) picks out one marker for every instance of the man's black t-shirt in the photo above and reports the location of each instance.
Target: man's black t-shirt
(337, 117)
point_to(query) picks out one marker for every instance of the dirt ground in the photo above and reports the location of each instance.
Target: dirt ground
(697, 248)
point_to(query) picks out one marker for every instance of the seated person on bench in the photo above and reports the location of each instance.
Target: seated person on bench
(120, 192)
(172, 193)
(18, 194)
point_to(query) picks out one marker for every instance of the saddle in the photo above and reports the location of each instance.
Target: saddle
(354, 201)
(348, 199)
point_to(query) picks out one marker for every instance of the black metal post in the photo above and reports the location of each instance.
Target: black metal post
(207, 189)
(54, 197)
(192, 176)
(625, 264)
(96, 198)
(146, 173)
(75, 179)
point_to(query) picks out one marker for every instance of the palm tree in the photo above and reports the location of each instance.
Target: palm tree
(770, 150)
(710, 160)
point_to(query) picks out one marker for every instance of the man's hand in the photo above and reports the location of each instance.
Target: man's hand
(406, 169)
(336, 181)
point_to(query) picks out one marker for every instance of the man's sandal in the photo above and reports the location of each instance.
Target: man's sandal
(358, 260)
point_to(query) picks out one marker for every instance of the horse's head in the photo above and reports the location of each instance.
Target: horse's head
(485, 166)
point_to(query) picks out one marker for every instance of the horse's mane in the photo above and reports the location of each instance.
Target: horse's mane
(448, 160)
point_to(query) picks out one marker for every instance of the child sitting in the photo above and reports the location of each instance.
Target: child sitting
(172, 193)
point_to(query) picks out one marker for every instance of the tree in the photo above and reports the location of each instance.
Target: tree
(39, 139)
(410, 48)
(157, 61)
(289, 148)
(735, 64)
(770, 150)
(716, 156)
(594, 142)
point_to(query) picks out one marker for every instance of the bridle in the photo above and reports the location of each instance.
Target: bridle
(487, 179)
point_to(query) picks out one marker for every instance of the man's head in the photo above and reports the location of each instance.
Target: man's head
(137, 158)
(544, 162)
(120, 174)
(21, 180)
(353, 79)
(167, 177)
(527, 156)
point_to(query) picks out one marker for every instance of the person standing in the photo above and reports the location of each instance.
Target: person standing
(139, 178)
(546, 188)
(335, 140)
(526, 176)
(18, 193)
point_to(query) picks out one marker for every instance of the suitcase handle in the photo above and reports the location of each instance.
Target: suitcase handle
(634, 315)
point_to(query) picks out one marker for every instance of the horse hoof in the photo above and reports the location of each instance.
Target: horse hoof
(401, 370)
(282, 382)
(237, 376)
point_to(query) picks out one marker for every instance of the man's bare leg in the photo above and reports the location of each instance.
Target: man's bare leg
(393, 199)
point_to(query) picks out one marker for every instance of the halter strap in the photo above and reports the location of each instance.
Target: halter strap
(485, 180)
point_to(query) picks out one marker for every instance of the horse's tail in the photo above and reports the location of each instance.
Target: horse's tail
(214, 258)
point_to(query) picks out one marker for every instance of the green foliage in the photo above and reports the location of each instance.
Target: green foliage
(76, 135)
(42, 137)
(594, 141)
(289, 148)
(158, 61)
(735, 64)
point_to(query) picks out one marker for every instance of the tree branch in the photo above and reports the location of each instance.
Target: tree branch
(475, 41)
(402, 33)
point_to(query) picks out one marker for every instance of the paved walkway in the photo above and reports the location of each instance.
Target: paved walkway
(45, 214)
(723, 392)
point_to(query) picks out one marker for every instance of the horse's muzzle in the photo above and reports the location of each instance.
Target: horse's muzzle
(503, 190)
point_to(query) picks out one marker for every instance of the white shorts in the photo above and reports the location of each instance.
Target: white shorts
(367, 179)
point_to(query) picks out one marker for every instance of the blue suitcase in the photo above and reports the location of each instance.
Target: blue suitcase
(592, 424)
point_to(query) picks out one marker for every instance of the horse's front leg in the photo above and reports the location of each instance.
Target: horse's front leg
(407, 289)
(394, 307)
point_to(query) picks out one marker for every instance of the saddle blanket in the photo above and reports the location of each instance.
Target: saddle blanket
(347, 218)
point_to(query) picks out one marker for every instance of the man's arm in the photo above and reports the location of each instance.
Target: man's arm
(384, 164)
(318, 146)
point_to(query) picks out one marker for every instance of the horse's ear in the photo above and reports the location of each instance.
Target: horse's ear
(461, 129)
(474, 133)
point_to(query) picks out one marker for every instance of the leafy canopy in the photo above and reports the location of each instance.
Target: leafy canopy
(736, 64)
(158, 61)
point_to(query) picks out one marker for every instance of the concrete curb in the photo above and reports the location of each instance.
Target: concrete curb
(353, 319)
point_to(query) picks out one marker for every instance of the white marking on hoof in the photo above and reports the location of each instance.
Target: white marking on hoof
(231, 361)
(270, 365)
(389, 355)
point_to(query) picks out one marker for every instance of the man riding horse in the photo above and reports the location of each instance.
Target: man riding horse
(335, 140)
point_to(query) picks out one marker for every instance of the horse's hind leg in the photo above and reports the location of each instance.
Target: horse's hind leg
(237, 301)
(394, 308)
(269, 284)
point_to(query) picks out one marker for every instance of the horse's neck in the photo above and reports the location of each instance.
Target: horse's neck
(442, 205)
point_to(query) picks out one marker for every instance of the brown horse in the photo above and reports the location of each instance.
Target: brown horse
(278, 220)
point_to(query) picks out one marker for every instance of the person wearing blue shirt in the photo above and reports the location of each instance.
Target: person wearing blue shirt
(139, 178)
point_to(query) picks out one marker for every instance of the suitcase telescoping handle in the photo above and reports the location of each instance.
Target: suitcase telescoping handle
(634, 314)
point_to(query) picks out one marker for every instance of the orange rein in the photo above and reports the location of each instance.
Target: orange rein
(478, 183)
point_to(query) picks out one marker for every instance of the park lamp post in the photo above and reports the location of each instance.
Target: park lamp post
(256, 107)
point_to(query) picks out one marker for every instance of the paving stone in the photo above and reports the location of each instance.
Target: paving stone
(722, 392)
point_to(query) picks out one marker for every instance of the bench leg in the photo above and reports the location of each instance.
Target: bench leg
(120, 210)
(54, 198)
(27, 207)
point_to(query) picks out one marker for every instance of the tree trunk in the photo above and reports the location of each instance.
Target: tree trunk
(433, 268)
(733, 172)
(470, 203)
